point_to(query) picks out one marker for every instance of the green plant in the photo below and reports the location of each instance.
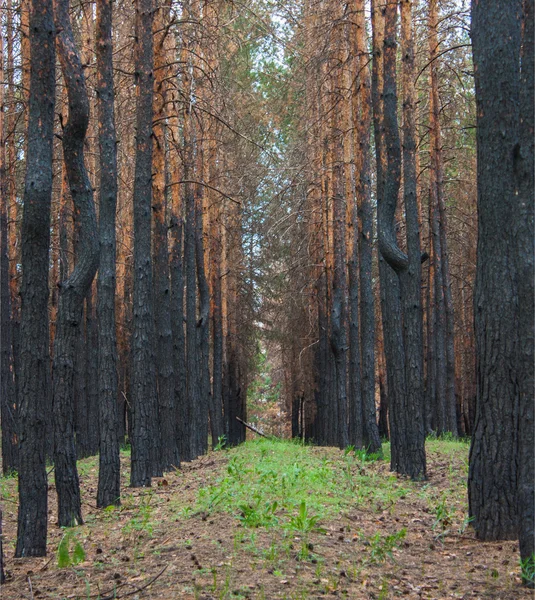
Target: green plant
(304, 522)
(443, 519)
(382, 546)
(66, 556)
(257, 514)
(527, 567)
(221, 443)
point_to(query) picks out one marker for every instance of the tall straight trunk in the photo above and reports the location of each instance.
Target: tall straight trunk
(339, 308)
(203, 325)
(109, 473)
(411, 277)
(430, 383)
(437, 165)
(34, 342)
(162, 300)
(192, 376)
(177, 313)
(75, 288)
(372, 439)
(493, 473)
(146, 446)
(351, 161)
(216, 418)
(91, 349)
(7, 383)
(526, 318)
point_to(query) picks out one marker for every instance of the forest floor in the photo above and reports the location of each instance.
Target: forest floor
(271, 519)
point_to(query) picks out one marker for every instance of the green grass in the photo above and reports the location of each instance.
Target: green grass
(271, 483)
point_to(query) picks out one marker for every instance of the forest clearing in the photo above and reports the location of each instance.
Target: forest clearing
(273, 519)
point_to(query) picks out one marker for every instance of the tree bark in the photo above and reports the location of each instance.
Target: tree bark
(162, 297)
(109, 474)
(34, 343)
(146, 446)
(75, 288)
(493, 474)
(372, 439)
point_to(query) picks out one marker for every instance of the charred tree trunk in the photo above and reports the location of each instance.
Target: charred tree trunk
(34, 342)
(75, 288)
(109, 474)
(162, 298)
(526, 318)
(493, 475)
(372, 439)
(146, 442)
(203, 329)
(7, 383)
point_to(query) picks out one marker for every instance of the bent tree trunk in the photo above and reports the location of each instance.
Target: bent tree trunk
(109, 463)
(76, 287)
(34, 349)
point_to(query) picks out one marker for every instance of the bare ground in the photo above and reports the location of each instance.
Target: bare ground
(155, 548)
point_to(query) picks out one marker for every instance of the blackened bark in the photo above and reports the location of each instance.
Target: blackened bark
(339, 306)
(526, 318)
(411, 277)
(493, 474)
(91, 350)
(372, 438)
(162, 297)
(356, 425)
(203, 331)
(8, 403)
(402, 320)
(146, 448)
(34, 343)
(179, 339)
(445, 357)
(109, 474)
(75, 288)
(216, 418)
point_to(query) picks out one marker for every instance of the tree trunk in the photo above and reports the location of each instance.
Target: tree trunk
(34, 342)
(109, 473)
(493, 476)
(372, 439)
(162, 301)
(8, 401)
(146, 446)
(75, 288)
(525, 269)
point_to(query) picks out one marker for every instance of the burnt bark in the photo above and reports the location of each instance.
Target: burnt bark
(160, 249)
(146, 447)
(526, 317)
(109, 489)
(493, 474)
(372, 439)
(8, 403)
(75, 288)
(203, 332)
(34, 343)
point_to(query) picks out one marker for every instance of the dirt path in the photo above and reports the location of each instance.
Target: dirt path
(174, 541)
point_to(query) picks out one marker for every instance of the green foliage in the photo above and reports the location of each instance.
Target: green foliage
(527, 567)
(443, 519)
(68, 555)
(305, 523)
(382, 546)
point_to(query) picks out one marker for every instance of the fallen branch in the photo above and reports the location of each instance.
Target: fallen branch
(114, 596)
(255, 430)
